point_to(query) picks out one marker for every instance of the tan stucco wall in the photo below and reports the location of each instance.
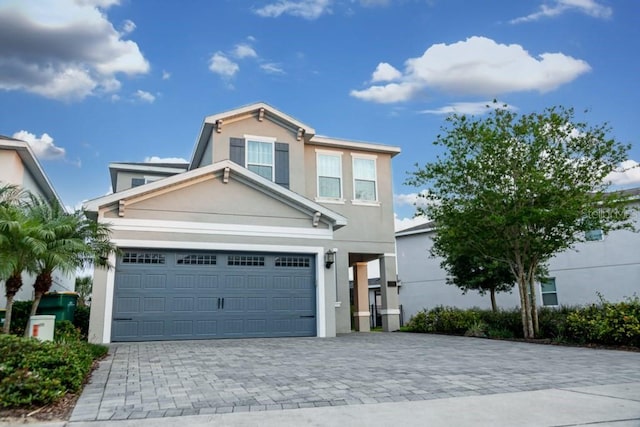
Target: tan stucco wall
(213, 201)
(11, 167)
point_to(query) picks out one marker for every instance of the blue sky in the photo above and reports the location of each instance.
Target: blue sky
(89, 82)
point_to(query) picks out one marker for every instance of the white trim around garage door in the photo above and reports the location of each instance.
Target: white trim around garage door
(154, 225)
(321, 320)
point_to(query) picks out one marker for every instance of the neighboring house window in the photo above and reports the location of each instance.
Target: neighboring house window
(548, 291)
(329, 175)
(364, 179)
(593, 235)
(137, 182)
(260, 158)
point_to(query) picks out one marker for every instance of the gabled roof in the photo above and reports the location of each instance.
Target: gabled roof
(417, 229)
(32, 165)
(354, 145)
(152, 168)
(238, 173)
(261, 110)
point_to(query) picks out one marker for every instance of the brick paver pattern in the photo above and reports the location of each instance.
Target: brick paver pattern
(163, 379)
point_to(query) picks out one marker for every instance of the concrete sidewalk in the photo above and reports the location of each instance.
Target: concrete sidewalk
(611, 405)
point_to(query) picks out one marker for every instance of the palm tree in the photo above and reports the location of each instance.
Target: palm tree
(65, 246)
(83, 288)
(22, 239)
(73, 241)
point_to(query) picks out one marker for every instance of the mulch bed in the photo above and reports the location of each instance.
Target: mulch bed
(58, 411)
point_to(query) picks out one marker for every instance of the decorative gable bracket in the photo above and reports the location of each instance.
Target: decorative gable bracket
(121, 205)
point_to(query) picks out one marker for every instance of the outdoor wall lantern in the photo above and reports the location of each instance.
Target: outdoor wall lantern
(329, 258)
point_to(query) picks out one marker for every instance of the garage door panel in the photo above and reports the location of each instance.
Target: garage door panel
(165, 295)
(206, 328)
(207, 282)
(153, 328)
(185, 281)
(154, 281)
(128, 281)
(126, 305)
(183, 304)
(207, 304)
(183, 328)
(154, 305)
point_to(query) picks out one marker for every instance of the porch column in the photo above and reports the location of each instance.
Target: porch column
(361, 297)
(389, 291)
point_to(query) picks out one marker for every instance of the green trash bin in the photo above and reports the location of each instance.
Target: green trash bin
(60, 304)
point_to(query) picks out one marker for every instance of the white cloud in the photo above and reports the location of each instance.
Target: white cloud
(410, 199)
(43, 147)
(222, 65)
(558, 7)
(404, 223)
(166, 75)
(385, 73)
(128, 26)
(474, 108)
(307, 9)
(477, 66)
(627, 173)
(156, 159)
(243, 50)
(144, 96)
(63, 49)
(272, 68)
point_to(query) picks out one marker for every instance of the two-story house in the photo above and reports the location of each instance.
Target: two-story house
(20, 167)
(253, 238)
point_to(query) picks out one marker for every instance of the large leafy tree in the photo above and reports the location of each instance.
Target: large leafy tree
(518, 189)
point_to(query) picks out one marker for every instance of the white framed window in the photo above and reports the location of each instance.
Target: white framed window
(260, 155)
(594, 235)
(549, 292)
(365, 185)
(329, 167)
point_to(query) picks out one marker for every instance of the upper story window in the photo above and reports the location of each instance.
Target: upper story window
(364, 178)
(329, 175)
(260, 158)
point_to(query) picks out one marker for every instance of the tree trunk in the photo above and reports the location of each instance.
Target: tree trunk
(523, 306)
(12, 285)
(7, 315)
(534, 306)
(41, 286)
(494, 306)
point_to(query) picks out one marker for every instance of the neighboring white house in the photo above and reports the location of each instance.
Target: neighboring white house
(19, 166)
(606, 264)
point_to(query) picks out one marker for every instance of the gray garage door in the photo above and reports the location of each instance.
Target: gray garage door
(167, 295)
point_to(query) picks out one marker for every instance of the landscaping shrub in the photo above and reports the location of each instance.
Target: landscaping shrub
(446, 320)
(606, 323)
(20, 316)
(37, 373)
(81, 320)
(503, 323)
(66, 332)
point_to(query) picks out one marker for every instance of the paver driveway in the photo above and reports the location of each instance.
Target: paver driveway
(146, 380)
